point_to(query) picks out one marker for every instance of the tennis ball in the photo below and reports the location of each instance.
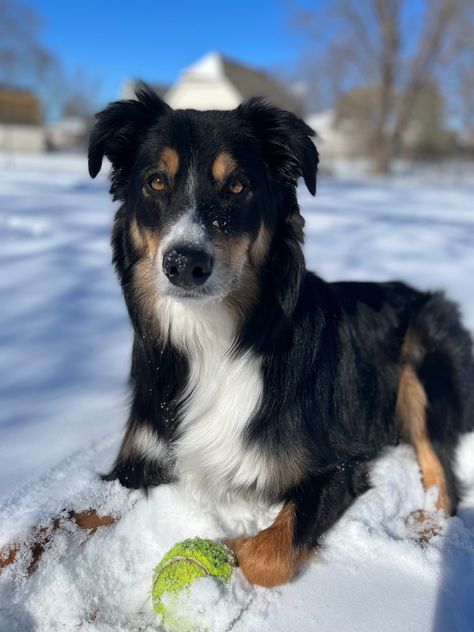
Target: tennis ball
(184, 563)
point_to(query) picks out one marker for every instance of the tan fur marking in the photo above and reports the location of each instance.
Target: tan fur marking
(152, 242)
(411, 411)
(259, 249)
(238, 248)
(144, 290)
(143, 240)
(223, 166)
(136, 236)
(242, 299)
(412, 351)
(147, 245)
(170, 160)
(245, 295)
(270, 558)
(433, 474)
(411, 405)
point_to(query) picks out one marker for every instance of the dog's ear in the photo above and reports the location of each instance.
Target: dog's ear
(119, 127)
(286, 142)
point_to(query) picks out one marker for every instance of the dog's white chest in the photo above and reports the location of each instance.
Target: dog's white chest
(222, 394)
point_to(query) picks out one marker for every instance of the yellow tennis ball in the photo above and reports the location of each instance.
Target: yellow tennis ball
(184, 563)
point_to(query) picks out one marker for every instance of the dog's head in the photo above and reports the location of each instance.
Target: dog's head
(204, 193)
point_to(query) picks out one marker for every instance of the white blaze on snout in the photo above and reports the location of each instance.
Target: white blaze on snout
(186, 231)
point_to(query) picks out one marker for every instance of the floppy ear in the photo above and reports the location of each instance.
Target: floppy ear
(119, 128)
(286, 142)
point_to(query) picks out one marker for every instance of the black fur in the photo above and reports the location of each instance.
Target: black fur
(330, 352)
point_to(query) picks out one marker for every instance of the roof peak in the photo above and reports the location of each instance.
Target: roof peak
(210, 66)
(247, 81)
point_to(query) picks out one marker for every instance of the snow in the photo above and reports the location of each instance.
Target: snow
(65, 346)
(61, 307)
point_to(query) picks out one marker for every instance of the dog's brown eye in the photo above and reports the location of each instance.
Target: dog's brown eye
(236, 186)
(157, 183)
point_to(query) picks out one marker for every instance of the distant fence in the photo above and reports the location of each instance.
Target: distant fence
(22, 138)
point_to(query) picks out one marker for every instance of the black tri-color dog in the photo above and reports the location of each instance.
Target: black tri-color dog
(251, 375)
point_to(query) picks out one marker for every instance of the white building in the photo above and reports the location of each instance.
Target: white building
(28, 139)
(336, 140)
(66, 133)
(20, 121)
(217, 83)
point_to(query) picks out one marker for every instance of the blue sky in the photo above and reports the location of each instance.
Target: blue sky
(155, 40)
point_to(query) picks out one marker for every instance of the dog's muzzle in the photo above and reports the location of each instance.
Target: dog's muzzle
(187, 267)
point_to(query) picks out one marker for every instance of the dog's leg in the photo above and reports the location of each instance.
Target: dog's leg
(274, 555)
(411, 408)
(143, 460)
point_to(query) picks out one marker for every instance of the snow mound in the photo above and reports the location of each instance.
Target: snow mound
(373, 571)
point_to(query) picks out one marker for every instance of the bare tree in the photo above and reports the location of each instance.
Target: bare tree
(24, 61)
(80, 99)
(393, 47)
(466, 98)
(460, 85)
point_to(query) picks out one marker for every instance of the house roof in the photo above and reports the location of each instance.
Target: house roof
(249, 82)
(19, 106)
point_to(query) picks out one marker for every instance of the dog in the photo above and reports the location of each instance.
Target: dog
(251, 375)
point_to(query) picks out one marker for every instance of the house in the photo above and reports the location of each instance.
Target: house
(336, 139)
(66, 134)
(215, 82)
(20, 121)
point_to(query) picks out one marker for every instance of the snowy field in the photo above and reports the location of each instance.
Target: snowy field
(65, 345)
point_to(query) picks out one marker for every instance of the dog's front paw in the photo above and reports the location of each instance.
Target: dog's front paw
(139, 474)
(267, 559)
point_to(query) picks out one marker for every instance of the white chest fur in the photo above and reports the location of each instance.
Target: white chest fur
(221, 396)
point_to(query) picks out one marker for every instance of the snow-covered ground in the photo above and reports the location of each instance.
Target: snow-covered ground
(65, 345)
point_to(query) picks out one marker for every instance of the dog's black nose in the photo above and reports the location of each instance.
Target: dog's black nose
(187, 267)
